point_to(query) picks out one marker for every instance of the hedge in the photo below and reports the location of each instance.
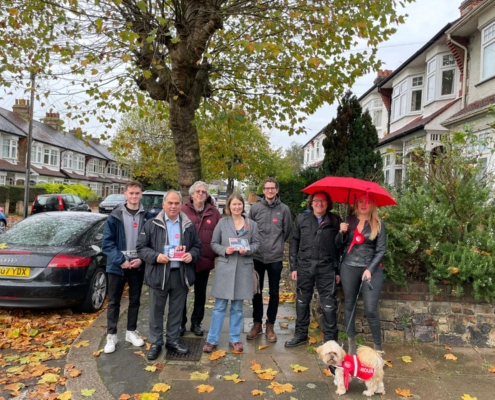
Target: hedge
(16, 193)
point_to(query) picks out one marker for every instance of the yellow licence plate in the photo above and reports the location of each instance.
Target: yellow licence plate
(16, 272)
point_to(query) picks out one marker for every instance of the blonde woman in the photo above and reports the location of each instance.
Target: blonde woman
(363, 238)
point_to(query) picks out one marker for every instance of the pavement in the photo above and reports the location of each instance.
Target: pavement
(430, 376)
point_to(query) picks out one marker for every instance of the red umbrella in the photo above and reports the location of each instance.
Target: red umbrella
(346, 190)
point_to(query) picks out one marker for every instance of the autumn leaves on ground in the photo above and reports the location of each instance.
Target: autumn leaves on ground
(33, 347)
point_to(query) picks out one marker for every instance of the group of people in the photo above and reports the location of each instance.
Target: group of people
(323, 251)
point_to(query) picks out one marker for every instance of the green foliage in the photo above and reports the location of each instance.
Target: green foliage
(350, 143)
(84, 192)
(16, 193)
(290, 194)
(443, 228)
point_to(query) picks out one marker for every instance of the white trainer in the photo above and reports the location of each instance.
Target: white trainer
(111, 342)
(134, 338)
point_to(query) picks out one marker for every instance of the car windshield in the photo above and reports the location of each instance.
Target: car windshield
(115, 197)
(152, 200)
(47, 231)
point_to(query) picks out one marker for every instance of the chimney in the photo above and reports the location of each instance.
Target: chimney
(53, 120)
(95, 140)
(21, 108)
(468, 5)
(382, 74)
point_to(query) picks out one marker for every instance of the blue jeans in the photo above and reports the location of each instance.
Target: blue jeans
(219, 310)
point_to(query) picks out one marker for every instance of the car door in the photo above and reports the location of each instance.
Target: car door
(69, 203)
(80, 205)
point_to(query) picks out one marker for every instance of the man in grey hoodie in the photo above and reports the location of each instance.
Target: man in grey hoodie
(274, 226)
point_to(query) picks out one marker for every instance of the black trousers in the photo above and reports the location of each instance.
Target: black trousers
(274, 270)
(324, 278)
(116, 284)
(176, 294)
(351, 280)
(200, 286)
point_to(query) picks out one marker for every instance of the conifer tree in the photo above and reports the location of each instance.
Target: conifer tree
(350, 143)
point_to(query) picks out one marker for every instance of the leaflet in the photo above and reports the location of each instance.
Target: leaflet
(238, 244)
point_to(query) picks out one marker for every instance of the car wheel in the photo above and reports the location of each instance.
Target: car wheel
(96, 294)
(2, 225)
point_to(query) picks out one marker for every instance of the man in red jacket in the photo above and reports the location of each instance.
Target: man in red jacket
(200, 209)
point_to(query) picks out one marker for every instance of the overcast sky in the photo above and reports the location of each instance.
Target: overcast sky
(426, 18)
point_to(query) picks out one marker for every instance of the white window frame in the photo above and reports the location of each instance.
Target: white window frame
(487, 40)
(36, 154)
(399, 100)
(417, 85)
(50, 157)
(78, 163)
(431, 71)
(2, 180)
(447, 68)
(9, 149)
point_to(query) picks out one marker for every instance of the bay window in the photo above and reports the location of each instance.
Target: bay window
(9, 149)
(488, 52)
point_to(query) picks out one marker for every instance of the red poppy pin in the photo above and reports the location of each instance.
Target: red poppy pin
(275, 220)
(246, 226)
(135, 224)
(177, 236)
(208, 221)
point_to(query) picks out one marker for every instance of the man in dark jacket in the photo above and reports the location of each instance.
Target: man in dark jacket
(314, 259)
(204, 215)
(167, 275)
(123, 265)
(274, 225)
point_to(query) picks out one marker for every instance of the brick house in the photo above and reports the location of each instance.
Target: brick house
(56, 157)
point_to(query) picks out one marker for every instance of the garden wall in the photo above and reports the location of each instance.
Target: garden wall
(412, 313)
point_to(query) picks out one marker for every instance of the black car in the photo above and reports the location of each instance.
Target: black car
(152, 201)
(58, 202)
(110, 202)
(54, 259)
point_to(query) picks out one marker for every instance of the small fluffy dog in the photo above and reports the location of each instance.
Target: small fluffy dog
(367, 366)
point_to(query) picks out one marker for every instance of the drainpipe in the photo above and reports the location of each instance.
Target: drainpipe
(463, 97)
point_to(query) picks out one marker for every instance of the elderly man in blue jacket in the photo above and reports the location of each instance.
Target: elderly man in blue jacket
(123, 265)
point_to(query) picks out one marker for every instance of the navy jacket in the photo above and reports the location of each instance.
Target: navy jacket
(114, 238)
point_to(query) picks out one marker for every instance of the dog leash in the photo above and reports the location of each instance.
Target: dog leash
(355, 304)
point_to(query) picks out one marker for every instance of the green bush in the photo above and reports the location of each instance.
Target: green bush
(16, 193)
(84, 192)
(443, 229)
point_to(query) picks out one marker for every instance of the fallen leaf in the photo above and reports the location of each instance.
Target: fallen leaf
(124, 397)
(264, 371)
(314, 325)
(230, 377)
(284, 326)
(205, 388)
(262, 347)
(298, 368)
(279, 388)
(97, 353)
(87, 392)
(82, 343)
(447, 347)
(161, 387)
(239, 380)
(388, 363)
(148, 396)
(407, 359)
(14, 386)
(237, 352)
(49, 378)
(150, 368)
(453, 270)
(403, 392)
(217, 354)
(492, 369)
(209, 306)
(312, 340)
(70, 366)
(327, 372)
(159, 366)
(139, 353)
(257, 392)
(256, 367)
(450, 357)
(65, 396)
(198, 376)
(468, 397)
(266, 376)
(74, 373)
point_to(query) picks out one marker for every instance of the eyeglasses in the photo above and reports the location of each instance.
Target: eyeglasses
(200, 191)
(320, 201)
(269, 188)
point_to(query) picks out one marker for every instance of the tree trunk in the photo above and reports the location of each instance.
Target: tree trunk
(186, 144)
(230, 186)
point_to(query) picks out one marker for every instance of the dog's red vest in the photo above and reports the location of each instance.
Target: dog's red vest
(353, 367)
